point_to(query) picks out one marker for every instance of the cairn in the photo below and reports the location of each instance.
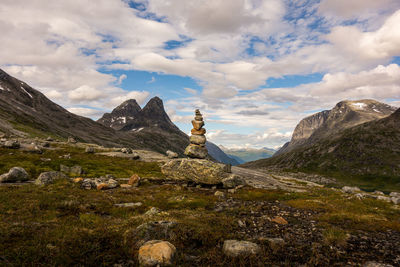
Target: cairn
(197, 148)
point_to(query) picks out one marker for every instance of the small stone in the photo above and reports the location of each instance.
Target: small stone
(219, 194)
(232, 181)
(90, 150)
(395, 200)
(126, 150)
(112, 184)
(384, 198)
(231, 191)
(350, 189)
(198, 186)
(46, 178)
(134, 180)
(197, 125)
(78, 180)
(49, 139)
(153, 211)
(12, 144)
(279, 220)
(156, 253)
(235, 248)
(241, 223)
(102, 186)
(171, 154)
(15, 174)
(376, 264)
(125, 186)
(88, 184)
(129, 205)
(198, 139)
(275, 243)
(202, 131)
(72, 140)
(196, 151)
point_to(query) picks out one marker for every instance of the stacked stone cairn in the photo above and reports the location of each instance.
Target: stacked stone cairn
(197, 148)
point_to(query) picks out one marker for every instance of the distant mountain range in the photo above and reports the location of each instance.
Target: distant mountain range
(25, 111)
(243, 155)
(354, 139)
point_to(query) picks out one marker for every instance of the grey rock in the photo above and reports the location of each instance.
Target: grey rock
(88, 184)
(275, 243)
(195, 170)
(90, 150)
(232, 181)
(74, 170)
(126, 150)
(350, 189)
(219, 194)
(129, 205)
(15, 174)
(153, 211)
(49, 139)
(11, 144)
(394, 194)
(395, 200)
(72, 140)
(384, 198)
(235, 248)
(46, 178)
(376, 264)
(171, 154)
(196, 151)
(198, 139)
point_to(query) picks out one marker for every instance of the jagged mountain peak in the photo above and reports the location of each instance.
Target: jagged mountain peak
(129, 105)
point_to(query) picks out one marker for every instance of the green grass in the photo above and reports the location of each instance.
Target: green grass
(93, 165)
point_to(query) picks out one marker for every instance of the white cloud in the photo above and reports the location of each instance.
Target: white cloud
(86, 112)
(121, 78)
(85, 93)
(152, 80)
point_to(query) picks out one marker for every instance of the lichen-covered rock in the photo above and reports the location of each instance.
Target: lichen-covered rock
(198, 139)
(134, 180)
(156, 253)
(171, 154)
(232, 181)
(195, 170)
(196, 151)
(235, 248)
(15, 174)
(46, 178)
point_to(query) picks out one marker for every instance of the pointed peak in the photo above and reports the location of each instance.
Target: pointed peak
(155, 103)
(129, 104)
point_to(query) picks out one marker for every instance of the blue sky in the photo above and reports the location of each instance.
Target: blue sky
(254, 68)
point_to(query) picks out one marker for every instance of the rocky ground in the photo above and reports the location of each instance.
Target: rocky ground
(287, 221)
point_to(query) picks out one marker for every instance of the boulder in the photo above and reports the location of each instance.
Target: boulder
(196, 151)
(394, 194)
(32, 148)
(156, 253)
(46, 178)
(126, 150)
(395, 200)
(134, 180)
(198, 139)
(90, 150)
(74, 170)
(171, 154)
(350, 189)
(384, 198)
(72, 140)
(195, 170)
(11, 144)
(232, 181)
(279, 220)
(235, 248)
(15, 174)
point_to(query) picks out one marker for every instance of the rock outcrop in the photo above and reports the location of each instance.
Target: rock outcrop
(15, 174)
(197, 147)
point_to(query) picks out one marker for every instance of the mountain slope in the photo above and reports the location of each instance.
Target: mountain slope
(248, 154)
(25, 110)
(218, 154)
(344, 115)
(370, 151)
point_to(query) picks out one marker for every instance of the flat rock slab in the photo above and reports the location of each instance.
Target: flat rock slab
(196, 170)
(264, 180)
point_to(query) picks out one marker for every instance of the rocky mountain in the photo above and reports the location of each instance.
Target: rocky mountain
(26, 111)
(369, 150)
(248, 154)
(152, 120)
(344, 115)
(218, 154)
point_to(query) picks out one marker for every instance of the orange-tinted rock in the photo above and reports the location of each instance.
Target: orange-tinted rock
(202, 131)
(156, 253)
(279, 220)
(134, 180)
(197, 124)
(125, 186)
(102, 186)
(78, 180)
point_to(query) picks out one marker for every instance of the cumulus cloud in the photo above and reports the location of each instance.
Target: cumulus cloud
(85, 93)
(121, 78)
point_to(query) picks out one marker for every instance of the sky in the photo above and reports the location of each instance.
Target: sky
(254, 68)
